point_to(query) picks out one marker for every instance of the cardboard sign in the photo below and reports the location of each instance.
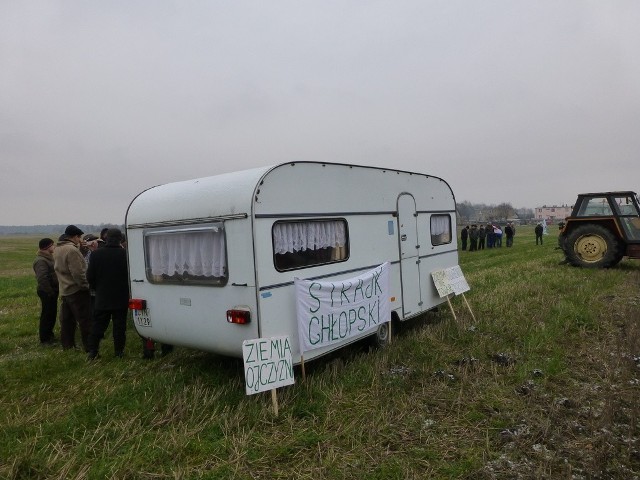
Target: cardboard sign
(267, 364)
(331, 312)
(442, 284)
(450, 280)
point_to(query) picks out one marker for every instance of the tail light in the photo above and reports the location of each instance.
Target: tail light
(241, 317)
(137, 304)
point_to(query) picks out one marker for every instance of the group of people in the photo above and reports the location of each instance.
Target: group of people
(89, 274)
(489, 235)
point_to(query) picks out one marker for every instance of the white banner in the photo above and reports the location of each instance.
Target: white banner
(267, 364)
(331, 312)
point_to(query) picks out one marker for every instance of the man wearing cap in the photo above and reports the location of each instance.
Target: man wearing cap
(47, 289)
(71, 270)
(108, 275)
(90, 244)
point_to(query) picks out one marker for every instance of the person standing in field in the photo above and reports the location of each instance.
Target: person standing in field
(71, 269)
(481, 237)
(508, 231)
(491, 236)
(539, 231)
(103, 237)
(108, 276)
(464, 235)
(473, 238)
(498, 233)
(91, 242)
(91, 245)
(47, 290)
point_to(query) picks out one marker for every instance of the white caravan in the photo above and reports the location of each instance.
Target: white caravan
(212, 261)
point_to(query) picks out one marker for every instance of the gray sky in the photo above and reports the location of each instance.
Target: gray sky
(527, 102)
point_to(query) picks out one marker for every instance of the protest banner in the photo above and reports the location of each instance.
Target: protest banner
(331, 312)
(267, 364)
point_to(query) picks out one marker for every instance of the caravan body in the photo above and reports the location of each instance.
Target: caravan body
(213, 260)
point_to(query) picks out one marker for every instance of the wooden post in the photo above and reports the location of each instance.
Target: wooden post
(469, 307)
(304, 376)
(274, 401)
(451, 307)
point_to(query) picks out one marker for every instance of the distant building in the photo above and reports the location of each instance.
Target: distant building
(552, 214)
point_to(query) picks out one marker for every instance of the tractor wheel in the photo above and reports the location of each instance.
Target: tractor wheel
(592, 246)
(618, 258)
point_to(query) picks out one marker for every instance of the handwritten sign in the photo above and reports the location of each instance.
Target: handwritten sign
(450, 280)
(331, 312)
(441, 282)
(267, 364)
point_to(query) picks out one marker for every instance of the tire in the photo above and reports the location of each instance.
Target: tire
(382, 336)
(592, 246)
(562, 243)
(618, 259)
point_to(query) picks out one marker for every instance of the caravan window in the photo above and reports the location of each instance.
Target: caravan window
(440, 229)
(195, 256)
(302, 244)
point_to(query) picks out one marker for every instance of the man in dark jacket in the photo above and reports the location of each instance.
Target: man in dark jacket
(473, 238)
(464, 235)
(481, 236)
(491, 236)
(539, 231)
(107, 275)
(509, 233)
(47, 289)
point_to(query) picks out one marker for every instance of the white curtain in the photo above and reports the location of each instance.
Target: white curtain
(196, 253)
(292, 237)
(439, 224)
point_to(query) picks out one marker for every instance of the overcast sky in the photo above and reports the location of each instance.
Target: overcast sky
(527, 102)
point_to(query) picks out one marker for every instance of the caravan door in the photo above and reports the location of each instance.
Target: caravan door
(409, 254)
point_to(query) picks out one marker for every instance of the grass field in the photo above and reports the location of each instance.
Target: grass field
(545, 384)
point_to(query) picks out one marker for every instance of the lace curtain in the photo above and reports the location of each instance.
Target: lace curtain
(439, 224)
(440, 229)
(292, 237)
(195, 253)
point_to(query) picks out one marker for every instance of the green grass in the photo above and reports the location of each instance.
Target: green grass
(434, 404)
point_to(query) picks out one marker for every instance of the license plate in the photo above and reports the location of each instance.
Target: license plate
(141, 318)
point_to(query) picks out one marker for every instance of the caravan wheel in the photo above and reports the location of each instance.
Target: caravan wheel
(382, 337)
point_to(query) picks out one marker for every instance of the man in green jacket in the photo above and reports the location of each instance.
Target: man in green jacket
(47, 290)
(71, 269)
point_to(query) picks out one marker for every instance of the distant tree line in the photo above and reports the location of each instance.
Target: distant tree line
(468, 212)
(52, 229)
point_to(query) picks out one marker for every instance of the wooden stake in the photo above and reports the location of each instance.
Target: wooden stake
(451, 307)
(304, 376)
(274, 401)
(469, 307)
